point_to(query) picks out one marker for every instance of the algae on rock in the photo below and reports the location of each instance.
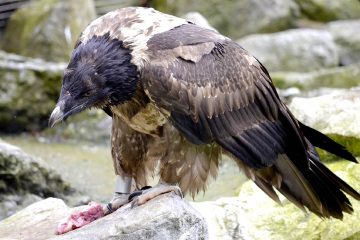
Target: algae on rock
(29, 89)
(47, 29)
(327, 10)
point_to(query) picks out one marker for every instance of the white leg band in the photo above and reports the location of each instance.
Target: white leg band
(123, 184)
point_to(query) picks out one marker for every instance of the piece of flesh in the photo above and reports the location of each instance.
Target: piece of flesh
(80, 218)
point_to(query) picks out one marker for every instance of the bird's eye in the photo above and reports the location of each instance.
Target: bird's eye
(88, 93)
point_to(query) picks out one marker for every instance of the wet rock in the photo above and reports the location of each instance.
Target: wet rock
(165, 217)
(299, 50)
(238, 18)
(29, 89)
(25, 179)
(347, 39)
(47, 29)
(338, 77)
(324, 10)
(253, 215)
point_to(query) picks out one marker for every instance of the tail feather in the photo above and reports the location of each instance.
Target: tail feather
(324, 142)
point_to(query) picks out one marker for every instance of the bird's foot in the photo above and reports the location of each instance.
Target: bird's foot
(91, 212)
(147, 193)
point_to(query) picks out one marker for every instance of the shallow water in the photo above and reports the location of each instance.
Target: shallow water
(88, 167)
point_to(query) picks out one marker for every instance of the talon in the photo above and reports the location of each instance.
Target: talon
(145, 187)
(134, 194)
(109, 208)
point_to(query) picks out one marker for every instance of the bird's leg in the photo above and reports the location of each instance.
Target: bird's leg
(147, 193)
(121, 195)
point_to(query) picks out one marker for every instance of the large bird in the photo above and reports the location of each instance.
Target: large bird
(180, 96)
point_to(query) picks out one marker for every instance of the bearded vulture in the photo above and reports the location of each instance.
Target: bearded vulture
(181, 96)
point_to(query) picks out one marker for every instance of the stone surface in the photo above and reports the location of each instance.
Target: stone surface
(299, 50)
(47, 29)
(338, 77)
(165, 217)
(29, 89)
(346, 37)
(253, 215)
(327, 10)
(238, 18)
(25, 179)
(337, 113)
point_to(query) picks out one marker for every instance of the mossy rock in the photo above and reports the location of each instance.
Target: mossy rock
(29, 89)
(328, 10)
(237, 18)
(338, 77)
(47, 29)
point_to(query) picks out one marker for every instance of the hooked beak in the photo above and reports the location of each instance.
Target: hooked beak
(64, 108)
(56, 116)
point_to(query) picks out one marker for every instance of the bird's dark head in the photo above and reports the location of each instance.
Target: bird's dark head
(100, 74)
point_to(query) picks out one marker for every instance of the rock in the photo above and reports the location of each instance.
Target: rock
(338, 77)
(47, 29)
(344, 33)
(238, 18)
(29, 89)
(324, 10)
(165, 217)
(300, 50)
(25, 179)
(198, 19)
(253, 215)
(337, 115)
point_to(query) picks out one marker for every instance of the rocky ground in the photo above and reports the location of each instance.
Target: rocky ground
(311, 49)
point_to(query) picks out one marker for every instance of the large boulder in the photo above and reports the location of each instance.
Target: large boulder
(47, 29)
(338, 77)
(328, 10)
(253, 215)
(165, 217)
(29, 89)
(238, 18)
(345, 33)
(337, 115)
(299, 50)
(25, 179)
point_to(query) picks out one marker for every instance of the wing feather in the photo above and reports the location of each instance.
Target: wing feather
(226, 96)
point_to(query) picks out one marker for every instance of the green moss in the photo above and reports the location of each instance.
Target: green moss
(339, 77)
(352, 144)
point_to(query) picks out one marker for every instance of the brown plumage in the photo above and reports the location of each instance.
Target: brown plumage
(181, 96)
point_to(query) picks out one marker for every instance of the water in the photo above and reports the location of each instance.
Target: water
(89, 168)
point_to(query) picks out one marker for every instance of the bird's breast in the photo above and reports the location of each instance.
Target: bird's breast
(147, 119)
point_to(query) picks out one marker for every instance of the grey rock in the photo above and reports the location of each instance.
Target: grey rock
(29, 89)
(328, 10)
(239, 18)
(337, 113)
(165, 217)
(347, 38)
(299, 50)
(338, 77)
(47, 29)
